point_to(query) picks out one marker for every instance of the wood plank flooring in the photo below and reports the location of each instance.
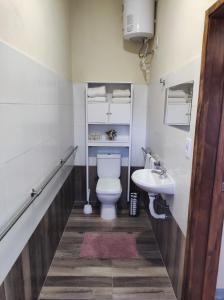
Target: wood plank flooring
(71, 277)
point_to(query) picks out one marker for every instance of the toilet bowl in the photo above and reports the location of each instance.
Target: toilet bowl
(108, 187)
(108, 192)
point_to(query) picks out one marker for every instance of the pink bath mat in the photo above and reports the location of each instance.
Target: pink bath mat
(109, 245)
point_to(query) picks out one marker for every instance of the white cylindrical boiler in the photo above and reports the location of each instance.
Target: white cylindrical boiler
(138, 19)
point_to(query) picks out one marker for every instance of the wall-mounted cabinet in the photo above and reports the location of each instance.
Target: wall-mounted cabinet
(97, 112)
(110, 108)
(107, 112)
(178, 105)
(120, 113)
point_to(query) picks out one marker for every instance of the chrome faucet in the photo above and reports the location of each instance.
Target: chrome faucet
(160, 170)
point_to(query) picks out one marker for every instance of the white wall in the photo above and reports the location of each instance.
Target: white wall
(169, 142)
(40, 29)
(139, 123)
(140, 106)
(179, 30)
(35, 122)
(36, 131)
(79, 99)
(36, 111)
(99, 52)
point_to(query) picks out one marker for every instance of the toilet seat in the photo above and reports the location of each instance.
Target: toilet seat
(108, 186)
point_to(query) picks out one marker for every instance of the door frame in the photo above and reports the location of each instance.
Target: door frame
(206, 208)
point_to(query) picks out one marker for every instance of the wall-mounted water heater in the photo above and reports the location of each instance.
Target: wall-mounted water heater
(138, 19)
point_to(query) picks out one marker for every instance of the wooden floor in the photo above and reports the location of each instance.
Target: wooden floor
(71, 277)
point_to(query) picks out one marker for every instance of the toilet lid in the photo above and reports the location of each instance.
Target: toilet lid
(108, 186)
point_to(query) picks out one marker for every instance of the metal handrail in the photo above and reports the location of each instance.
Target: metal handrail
(35, 193)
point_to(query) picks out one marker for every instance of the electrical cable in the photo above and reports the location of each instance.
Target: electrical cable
(145, 58)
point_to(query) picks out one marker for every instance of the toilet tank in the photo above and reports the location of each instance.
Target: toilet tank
(108, 165)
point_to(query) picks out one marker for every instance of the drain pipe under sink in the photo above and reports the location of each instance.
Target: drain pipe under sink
(152, 198)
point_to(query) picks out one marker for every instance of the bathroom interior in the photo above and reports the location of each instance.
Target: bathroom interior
(98, 110)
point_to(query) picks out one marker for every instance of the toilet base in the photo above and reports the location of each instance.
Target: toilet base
(108, 211)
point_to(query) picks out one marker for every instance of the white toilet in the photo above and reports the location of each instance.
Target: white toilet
(108, 187)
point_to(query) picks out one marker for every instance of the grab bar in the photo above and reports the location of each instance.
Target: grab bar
(33, 195)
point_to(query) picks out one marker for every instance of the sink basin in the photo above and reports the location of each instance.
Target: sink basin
(153, 183)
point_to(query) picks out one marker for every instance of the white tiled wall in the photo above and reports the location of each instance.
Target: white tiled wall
(36, 126)
(79, 99)
(140, 106)
(139, 123)
(169, 142)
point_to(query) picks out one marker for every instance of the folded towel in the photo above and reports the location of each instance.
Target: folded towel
(121, 93)
(99, 91)
(97, 99)
(121, 100)
(177, 94)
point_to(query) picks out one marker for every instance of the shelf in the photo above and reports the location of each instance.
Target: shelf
(108, 144)
(100, 118)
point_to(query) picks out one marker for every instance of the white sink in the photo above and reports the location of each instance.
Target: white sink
(153, 183)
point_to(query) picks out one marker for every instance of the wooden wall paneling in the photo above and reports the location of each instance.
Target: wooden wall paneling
(2, 292)
(28, 274)
(14, 286)
(92, 185)
(122, 203)
(171, 242)
(79, 182)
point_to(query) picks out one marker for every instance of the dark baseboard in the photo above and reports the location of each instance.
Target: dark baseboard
(171, 243)
(26, 278)
(79, 181)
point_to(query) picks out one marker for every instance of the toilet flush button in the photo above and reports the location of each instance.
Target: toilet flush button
(188, 148)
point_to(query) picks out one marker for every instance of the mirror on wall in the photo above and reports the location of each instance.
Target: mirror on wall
(178, 105)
